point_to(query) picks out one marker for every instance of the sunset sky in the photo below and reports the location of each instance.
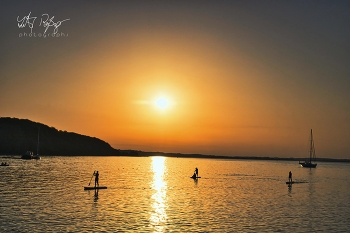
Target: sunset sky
(238, 78)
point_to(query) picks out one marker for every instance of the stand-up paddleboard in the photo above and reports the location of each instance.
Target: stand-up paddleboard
(92, 187)
(297, 182)
(195, 177)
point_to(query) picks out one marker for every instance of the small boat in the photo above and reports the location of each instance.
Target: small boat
(308, 163)
(27, 155)
(93, 187)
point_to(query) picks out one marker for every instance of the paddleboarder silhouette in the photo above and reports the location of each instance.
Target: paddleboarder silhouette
(96, 178)
(196, 171)
(194, 176)
(290, 177)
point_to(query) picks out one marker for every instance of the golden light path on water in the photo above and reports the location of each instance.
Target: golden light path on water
(158, 216)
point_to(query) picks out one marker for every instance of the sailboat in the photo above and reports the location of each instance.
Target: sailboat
(29, 154)
(312, 155)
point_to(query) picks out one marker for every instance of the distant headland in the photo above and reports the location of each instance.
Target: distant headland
(20, 135)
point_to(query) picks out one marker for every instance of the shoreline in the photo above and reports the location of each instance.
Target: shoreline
(244, 157)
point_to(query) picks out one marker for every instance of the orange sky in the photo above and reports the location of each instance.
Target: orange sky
(241, 78)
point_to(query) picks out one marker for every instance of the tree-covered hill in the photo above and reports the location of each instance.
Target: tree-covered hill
(18, 136)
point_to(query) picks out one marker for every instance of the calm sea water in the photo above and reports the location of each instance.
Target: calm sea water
(155, 194)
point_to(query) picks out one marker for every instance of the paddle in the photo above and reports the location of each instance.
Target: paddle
(91, 177)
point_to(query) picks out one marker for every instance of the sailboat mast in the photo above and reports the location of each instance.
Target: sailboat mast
(311, 146)
(37, 147)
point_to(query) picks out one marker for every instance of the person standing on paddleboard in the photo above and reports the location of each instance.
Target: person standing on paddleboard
(290, 177)
(196, 171)
(96, 178)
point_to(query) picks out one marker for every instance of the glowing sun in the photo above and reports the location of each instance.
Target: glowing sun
(162, 103)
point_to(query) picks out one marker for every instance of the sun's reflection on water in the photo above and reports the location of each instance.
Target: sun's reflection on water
(158, 216)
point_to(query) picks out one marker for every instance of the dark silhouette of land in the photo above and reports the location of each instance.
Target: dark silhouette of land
(20, 135)
(179, 155)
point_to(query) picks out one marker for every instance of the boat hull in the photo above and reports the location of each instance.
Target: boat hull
(27, 157)
(310, 165)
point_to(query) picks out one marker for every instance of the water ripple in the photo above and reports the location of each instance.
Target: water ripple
(157, 195)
